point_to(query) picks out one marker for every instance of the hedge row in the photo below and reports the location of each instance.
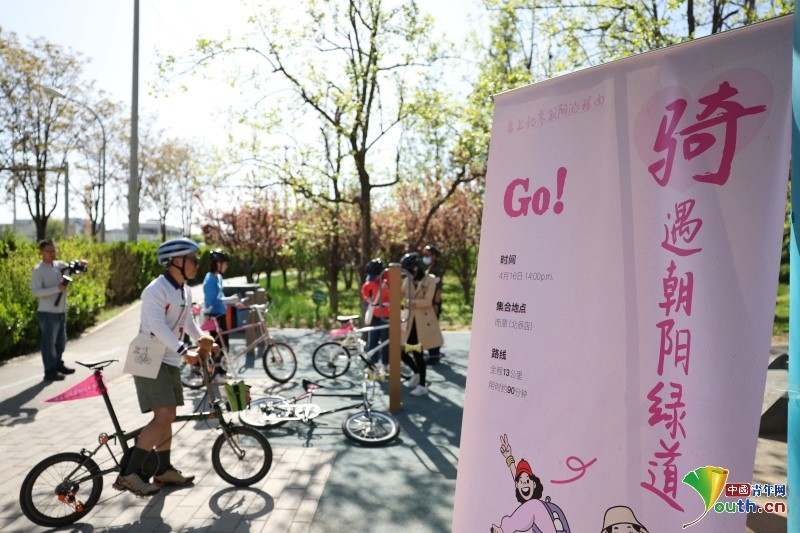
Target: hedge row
(117, 274)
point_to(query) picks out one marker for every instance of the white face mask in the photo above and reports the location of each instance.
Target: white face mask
(427, 260)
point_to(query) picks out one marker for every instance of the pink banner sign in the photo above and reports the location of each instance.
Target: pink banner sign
(85, 389)
(631, 238)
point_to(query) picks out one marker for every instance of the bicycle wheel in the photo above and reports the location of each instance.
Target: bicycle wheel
(279, 361)
(374, 428)
(191, 375)
(241, 456)
(331, 359)
(261, 413)
(53, 492)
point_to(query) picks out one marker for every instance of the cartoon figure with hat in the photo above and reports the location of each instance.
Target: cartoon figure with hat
(620, 519)
(533, 514)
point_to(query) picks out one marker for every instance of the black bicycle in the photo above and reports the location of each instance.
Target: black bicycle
(65, 487)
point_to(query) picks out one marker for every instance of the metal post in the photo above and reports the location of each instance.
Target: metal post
(133, 180)
(66, 200)
(395, 395)
(793, 431)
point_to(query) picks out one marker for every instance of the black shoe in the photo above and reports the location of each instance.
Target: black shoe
(53, 376)
(64, 369)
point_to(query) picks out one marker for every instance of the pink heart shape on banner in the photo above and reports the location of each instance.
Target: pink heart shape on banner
(657, 143)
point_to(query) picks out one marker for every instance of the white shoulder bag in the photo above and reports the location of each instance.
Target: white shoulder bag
(145, 354)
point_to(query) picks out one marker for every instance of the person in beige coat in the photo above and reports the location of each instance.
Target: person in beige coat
(421, 331)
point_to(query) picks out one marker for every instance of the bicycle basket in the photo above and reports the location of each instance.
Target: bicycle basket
(238, 395)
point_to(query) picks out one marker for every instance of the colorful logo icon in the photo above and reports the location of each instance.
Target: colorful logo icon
(709, 482)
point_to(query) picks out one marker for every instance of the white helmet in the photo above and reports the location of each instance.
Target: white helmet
(176, 248)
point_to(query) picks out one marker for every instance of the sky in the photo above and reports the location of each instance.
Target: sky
(102, 31)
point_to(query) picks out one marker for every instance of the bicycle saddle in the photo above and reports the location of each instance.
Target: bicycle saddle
(309, 386)
(346, 318)
(97, 364)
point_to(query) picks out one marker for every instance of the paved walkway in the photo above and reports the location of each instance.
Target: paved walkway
(319, 482)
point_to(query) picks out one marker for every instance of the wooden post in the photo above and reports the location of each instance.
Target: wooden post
(395, 393)
(250, 334)
(261, 296)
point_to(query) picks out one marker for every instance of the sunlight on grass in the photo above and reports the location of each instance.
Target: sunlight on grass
(292, 305)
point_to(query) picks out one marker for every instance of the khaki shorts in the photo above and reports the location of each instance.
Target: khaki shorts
(163, 391)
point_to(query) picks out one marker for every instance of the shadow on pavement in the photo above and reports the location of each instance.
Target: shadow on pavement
(766, 522)
(12, 409)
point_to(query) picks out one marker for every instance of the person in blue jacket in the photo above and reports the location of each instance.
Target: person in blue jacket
(216, 303)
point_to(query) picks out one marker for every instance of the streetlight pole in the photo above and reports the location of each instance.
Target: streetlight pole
(57, 94)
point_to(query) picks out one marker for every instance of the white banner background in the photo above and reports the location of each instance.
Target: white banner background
(565, 340)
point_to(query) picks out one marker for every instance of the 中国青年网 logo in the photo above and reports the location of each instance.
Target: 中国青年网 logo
(711, 482)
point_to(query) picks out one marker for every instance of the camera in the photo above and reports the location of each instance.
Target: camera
(76, 266)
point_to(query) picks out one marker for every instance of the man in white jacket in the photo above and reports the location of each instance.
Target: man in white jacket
(166, 314)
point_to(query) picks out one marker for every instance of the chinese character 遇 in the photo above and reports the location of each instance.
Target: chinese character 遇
(683, 229)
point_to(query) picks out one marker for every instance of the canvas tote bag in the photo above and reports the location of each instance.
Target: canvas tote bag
(145, 354)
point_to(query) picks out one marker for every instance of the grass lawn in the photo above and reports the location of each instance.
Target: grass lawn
(780, 327)
(292, 305)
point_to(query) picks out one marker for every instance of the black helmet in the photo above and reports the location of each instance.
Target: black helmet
(433, 250)
(374, 267)
(219, 255)
(410, 262)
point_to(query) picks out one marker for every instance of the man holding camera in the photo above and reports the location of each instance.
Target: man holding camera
(49, 284)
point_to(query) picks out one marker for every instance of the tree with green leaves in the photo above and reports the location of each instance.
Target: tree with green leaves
(167, 177)
(37, 131)
(350, 73)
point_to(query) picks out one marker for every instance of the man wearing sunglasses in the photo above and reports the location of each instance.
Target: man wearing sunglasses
(166, 314)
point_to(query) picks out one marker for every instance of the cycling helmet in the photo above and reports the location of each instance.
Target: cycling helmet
(176, 248)
(433, 250)
(219, 255)
(410, 262)
(374, 267)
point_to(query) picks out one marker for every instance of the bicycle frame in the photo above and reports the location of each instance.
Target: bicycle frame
(51, 497)
(310, 392)
(264, 336)
(123, 437)
(352, 340)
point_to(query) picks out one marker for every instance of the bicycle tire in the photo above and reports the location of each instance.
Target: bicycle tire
(280, 362)
(241, 456)
(191, 375)
(43, 489)
(255, 417)
(373, 428)
(331, 359)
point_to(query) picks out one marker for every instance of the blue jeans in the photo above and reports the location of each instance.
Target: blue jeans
(377, 336)
(53, 339)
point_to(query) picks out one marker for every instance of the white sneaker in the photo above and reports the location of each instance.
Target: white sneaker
(419, 390)
(413, 381)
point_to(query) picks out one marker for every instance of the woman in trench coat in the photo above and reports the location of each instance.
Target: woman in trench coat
(421, 331)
